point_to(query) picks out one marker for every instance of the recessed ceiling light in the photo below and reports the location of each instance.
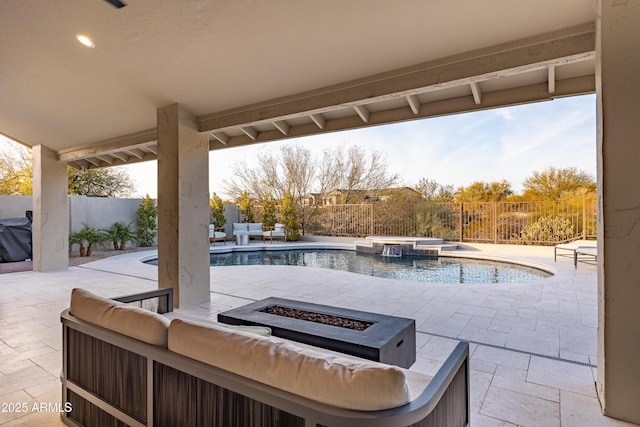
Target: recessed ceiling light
(85, 40)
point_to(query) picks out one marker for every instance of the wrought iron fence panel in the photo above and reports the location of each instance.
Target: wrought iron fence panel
(516, 222)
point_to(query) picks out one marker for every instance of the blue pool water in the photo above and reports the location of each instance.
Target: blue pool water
(420, 269)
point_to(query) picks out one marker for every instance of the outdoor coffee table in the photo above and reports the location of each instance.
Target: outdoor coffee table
(387, 339)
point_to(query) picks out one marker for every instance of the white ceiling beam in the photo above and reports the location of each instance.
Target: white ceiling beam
(120, 156)
(221, 136)
(83, 163)
(477, 93)
(106, 159)
(282, 126)
(551, 73)
(511, 96)
(147, 137)
(93, 161)
(414, 103)
(318, 120)
(135, 152)
(250, 132)
(152, 148)
(362, 112)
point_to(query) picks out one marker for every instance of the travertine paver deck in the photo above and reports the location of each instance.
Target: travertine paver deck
(533, 344)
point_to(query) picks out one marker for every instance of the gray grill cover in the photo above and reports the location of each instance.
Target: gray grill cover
(15, 239)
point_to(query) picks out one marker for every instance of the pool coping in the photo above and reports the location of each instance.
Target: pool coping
(475, 254)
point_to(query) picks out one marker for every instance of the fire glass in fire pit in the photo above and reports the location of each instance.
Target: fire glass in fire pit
(327, 319)
(387, 339)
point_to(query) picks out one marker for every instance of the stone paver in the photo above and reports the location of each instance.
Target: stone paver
(532, 343)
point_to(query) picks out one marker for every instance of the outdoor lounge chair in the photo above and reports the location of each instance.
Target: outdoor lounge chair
(216, 236)
(571, 247)
(276, 233)
(586, 255)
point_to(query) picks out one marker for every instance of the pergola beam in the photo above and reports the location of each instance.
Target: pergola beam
(514, 96)
(362, 112)
(220, 136)
(250, 132)
(477, 93)
(318, 120)
(551, 78)
(282, 126)
(414, 103)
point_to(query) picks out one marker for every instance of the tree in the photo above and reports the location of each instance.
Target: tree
(269, 212)
(119, 233)
(290, 217)
(245, 207)
(16, 176)
(558, 183)
(16, 171)
(146, 221)
(430, 190)
(480, 191)
(109, 182)
(292, 170)
(354, 171)
(217, 211)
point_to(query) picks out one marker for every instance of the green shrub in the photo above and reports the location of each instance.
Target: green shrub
(119, 233)
(245, 207)
(146, 222)
(548, 230)
(217, 211)
(268, 213)
(290, 217)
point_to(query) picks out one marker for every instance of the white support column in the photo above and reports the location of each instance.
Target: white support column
(618, 88)
(183, 207)
(50, 227)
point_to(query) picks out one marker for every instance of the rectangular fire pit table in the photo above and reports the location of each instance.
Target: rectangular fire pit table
(387, 339)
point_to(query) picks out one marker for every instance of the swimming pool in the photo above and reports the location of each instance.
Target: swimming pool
(419, 269)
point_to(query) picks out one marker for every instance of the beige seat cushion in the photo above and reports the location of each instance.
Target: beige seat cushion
(325, 378)
(135, 322)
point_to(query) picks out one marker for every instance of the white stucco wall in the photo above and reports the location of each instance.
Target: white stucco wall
(101, 212)
(15, 206)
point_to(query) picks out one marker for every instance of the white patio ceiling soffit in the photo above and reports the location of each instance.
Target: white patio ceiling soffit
(556, 64)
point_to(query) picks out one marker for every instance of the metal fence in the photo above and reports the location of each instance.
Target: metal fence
(528, 222)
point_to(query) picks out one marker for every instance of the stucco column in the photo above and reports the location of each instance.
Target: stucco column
(50, 227)
(618, 87)
(183, 207)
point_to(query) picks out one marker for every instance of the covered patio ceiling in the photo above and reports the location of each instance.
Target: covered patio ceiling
(253, 72)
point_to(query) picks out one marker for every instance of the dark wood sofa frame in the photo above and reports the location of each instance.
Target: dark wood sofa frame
(114, 380)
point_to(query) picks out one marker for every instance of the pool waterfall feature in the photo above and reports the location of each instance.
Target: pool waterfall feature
(392, 251)
(397, 246)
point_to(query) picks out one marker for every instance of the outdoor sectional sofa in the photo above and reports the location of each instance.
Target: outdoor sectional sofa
(251, 229)
(126, 365)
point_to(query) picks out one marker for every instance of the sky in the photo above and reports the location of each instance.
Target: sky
(503, 143)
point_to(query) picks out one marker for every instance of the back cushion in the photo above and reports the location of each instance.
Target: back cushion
(135, 322)
(332, 380)
(254, 226)
(240, 226)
